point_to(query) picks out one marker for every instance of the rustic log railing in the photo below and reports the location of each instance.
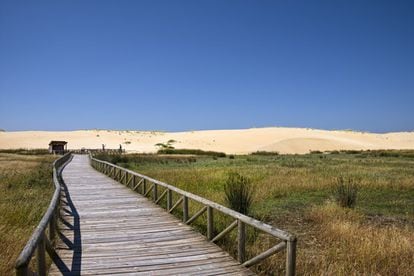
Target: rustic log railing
(39, 242)
(147, 186)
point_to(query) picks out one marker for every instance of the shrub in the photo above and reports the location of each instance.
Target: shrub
(26, 151)
(238, 193)
(164, 146)
(231, 156)
(269, 153)
(167, 145)
(351, 151)
(345, 192)
(191, 151)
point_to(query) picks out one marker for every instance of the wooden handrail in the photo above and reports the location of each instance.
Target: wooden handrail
(288, 240)
(38, 238)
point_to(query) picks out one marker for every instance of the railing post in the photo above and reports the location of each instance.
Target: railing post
(144, 187)
(22, 271)
(41, 256)
(185, 208)
(155, 192)
(241, 235)
(52, 225)
(210, 225)
(169, 199)
(291, 258)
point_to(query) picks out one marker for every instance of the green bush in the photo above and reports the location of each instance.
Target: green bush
(238, 193)
(345, 192)
(142, 158)
(268, 153)
(191, 151)
(26, 151)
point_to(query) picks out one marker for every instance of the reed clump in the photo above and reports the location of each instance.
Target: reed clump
(239, 193)
(346, 192)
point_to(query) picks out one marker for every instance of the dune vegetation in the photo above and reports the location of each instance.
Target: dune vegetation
(300, 194)
(25, 192)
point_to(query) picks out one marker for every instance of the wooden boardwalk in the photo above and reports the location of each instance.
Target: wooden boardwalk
(107, 228)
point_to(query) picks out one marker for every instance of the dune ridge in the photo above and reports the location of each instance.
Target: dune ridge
(239, 141)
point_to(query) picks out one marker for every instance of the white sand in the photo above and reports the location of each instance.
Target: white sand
(283, 140)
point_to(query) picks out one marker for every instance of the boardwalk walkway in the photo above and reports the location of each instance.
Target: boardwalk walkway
(108, 229)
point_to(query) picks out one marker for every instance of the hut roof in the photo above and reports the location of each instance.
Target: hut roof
(58, 143)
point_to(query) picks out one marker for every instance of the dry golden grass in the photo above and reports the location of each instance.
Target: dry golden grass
(294, 193)
(353, 245)
(25, 189)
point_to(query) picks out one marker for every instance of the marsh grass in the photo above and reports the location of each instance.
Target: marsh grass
(239, 193)
(26, 151)
(345, 192)
(25, 192)
(191, 151)
(294, 192)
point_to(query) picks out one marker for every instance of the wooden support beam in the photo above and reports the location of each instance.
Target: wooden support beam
(52, 226)
(225, 231)
(144, 187)
(161, 196)
(291, 258)
(196, 215)
(278, 247)
(175, 205)
(41, 256)
(138, 184)
(210, 223)
(185, 208)
(169, 199)
(155, 192)
(149, 190)
(241, 242)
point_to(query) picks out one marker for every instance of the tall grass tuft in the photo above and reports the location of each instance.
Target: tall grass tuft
(345, 192)
(239, 193)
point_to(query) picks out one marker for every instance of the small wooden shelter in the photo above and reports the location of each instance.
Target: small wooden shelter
(59, 147)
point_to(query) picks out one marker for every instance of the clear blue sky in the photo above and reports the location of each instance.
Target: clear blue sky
(187, 65)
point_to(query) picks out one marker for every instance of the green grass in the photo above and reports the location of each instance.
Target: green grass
(294, 192)
(293, 181)
(26, 189)
(167, 150)
(26, 151)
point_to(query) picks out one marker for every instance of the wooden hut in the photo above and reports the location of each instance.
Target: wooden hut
(59, 147)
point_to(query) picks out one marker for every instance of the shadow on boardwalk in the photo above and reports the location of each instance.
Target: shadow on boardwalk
(69, 215)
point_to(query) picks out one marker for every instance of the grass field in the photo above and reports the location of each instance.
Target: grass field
(295, 193)
(25, 192)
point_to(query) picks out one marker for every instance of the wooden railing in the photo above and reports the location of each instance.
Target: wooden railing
(146, 186)
(39, 241)
(96, 151)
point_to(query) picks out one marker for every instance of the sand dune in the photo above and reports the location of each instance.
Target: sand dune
(283, 140)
